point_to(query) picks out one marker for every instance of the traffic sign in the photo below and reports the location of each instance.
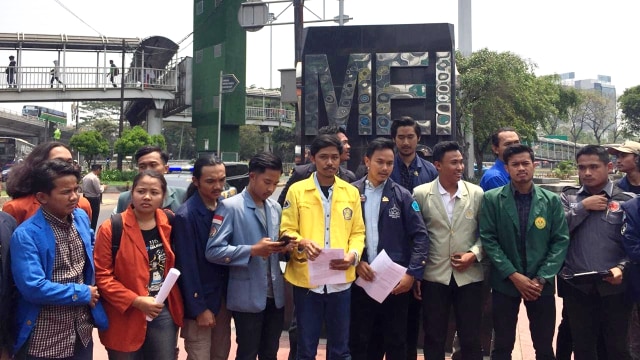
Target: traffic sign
(229, 83)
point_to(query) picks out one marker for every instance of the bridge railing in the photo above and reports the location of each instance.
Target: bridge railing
(270, 114)
(38, 77)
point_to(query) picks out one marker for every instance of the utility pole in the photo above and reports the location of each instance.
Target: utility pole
(121, 122)
(464, 39)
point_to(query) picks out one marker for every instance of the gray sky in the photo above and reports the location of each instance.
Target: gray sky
(587, 37)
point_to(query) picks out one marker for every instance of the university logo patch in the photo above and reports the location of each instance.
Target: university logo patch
(347, 213)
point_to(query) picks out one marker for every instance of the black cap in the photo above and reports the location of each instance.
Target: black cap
(10, 57)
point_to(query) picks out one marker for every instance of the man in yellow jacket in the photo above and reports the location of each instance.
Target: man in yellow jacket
(323, 212)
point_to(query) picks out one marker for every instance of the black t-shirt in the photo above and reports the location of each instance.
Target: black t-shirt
(157, 259)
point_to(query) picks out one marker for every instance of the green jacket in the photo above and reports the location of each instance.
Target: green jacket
(546, 242)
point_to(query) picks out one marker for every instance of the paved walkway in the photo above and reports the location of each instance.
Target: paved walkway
(523, 349)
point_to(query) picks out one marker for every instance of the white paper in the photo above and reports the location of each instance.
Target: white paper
(387, 275)
(320, 272)
(168, 283)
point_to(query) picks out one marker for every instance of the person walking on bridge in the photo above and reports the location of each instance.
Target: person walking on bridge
(113, 72)
(11, 72)
(55, 73)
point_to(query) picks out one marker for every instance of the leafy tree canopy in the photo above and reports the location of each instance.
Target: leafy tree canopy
(90, 144)
(501, 89)
(630, 105)
(131, 140)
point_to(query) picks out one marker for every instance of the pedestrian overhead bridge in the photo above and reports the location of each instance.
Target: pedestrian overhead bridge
(154, 84)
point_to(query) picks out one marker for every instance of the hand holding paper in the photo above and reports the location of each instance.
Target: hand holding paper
(388, 275)
(168, 283)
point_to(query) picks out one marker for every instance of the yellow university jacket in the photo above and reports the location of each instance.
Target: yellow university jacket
(302, 217)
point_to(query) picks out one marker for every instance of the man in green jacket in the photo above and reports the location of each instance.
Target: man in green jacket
(524, 232)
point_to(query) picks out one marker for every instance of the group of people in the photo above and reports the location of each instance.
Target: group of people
(12, 70)
(461, 246)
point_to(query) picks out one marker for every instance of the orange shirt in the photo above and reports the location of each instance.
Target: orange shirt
(23, 208)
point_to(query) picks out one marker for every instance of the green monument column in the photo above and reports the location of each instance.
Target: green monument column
(219, 44)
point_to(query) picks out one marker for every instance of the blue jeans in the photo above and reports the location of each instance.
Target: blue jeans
(312, 310)
(160, 342)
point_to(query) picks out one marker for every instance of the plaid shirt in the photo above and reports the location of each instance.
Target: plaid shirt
(54, 335)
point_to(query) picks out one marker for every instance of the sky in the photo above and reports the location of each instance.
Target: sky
(587, 37)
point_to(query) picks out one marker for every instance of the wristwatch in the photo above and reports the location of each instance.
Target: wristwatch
(541, 280)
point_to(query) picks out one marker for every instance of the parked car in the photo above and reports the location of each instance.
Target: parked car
(5, 172)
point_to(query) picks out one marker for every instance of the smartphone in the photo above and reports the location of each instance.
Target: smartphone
(286, 239)
(457, 257)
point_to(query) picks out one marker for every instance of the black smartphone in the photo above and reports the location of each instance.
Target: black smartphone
(286, 239)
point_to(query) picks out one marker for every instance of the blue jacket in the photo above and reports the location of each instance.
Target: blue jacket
(402, 234)
(235, 229)
(422, 171)
(202, 283)
(495, 177)
(33, 251)
(631, 242)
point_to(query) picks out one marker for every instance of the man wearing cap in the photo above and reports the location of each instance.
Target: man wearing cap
(627, 162)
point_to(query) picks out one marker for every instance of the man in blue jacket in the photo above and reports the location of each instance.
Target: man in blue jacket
(497, 175)
(409, 171)
(207, 329)
(244, 237)
(393, 224)
(52, 265)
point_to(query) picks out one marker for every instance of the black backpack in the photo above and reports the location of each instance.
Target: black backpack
(116, 232)
(116, 71)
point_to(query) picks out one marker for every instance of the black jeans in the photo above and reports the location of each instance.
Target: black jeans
(542, 325)
(592, 315)
(437, 300)
(367, 315)
(95, 210)
(258, 334)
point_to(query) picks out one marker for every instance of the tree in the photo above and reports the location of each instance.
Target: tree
(90, 144)
(283, 141)
(568, 97)
(602, 115)
(131, 140)
(93, 110)
(630, 105)
(251, 141)
(158, 140)
(181, 140)
(501, 89)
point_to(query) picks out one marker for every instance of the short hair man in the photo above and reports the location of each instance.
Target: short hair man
(52, 264)
(153, 158)
(207, 321)
(627, 156)
(524, 232)
(244, 237)
(409, 170)
(92, 191)
(497, 175)
(302, 172)
(393, 223)
(595, 304)
(453, 275)
(327, 197)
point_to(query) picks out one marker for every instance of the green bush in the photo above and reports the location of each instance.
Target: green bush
(564, 170)
(115, 175)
